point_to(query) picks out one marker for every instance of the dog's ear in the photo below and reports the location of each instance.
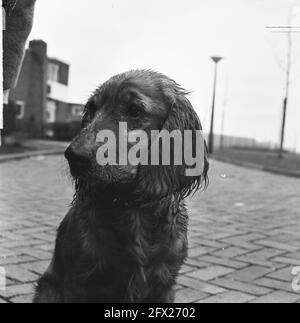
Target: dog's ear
(191, 174)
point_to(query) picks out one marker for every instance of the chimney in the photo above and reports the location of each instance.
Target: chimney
(38, 49)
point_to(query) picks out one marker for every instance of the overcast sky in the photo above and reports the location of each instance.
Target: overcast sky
(100, 38)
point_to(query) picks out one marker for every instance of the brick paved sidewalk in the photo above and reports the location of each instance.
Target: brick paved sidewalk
(244, 232)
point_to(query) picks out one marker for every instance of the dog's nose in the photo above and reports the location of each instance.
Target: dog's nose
(78, 159)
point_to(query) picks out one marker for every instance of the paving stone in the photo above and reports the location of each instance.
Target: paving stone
(2, 301)
(44, 236)
(287, 261)
(186, 269)
(294, 255)
(262, 257)
(200, 285)
(196, 263)
(231, 252)
(16, 290)
(16, 272)
(24, 299)
(189, 295)
(199, 251)
(38, 267)
(244, 241)
(277, 245)
(14, 244)
(274, 284)
(4, 253)
(210, 273)
(46, 247)
(208, 243)
(221, 235)
(35, 252)
(224, 262)
(278, 297)
(242, 287)
(16, 260)
(284, 274)
(229, 298)
(250, 273)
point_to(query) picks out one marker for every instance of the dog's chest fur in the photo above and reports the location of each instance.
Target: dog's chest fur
(128, 256)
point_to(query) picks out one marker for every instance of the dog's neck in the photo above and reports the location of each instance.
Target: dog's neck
(121, 203)
(115, 201)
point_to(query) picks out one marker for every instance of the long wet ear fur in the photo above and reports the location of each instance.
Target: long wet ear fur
(160, 181)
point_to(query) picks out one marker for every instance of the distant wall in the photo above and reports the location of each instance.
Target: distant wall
(231, 141)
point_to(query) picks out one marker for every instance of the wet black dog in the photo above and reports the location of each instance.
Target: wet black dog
(125, 238)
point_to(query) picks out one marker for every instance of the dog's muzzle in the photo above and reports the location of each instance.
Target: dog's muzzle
(79, 160)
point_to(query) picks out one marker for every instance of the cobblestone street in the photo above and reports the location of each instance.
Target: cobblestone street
(244, 232)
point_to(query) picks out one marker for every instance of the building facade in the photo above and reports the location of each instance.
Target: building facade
(41, 99)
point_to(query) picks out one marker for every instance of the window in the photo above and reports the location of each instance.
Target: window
(20, 110)
(53, 72)
(51, 111)
(49, 89)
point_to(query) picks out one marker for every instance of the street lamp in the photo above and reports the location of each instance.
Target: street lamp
(216, 60)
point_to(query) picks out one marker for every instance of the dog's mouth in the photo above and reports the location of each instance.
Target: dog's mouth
(79, 163)
(77, 169)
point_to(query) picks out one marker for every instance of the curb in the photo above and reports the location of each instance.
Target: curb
(258, 167)
(30, 154)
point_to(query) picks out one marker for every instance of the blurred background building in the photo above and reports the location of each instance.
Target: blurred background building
(39, 105)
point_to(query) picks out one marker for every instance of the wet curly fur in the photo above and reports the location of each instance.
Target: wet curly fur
(125, 238)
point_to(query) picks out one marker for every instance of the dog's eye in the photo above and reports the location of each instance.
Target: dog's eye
(134, 111)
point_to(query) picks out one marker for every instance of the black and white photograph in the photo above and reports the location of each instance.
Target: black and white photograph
(150, 154)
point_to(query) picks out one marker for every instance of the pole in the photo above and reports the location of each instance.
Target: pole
(286, 99)
(222, 130)
(211, 133)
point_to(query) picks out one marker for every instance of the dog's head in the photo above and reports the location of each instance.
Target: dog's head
(143, 101)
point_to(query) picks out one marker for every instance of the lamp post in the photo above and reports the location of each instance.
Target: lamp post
(216, 60)
(288, 83)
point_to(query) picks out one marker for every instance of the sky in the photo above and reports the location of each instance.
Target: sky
(101, 38)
